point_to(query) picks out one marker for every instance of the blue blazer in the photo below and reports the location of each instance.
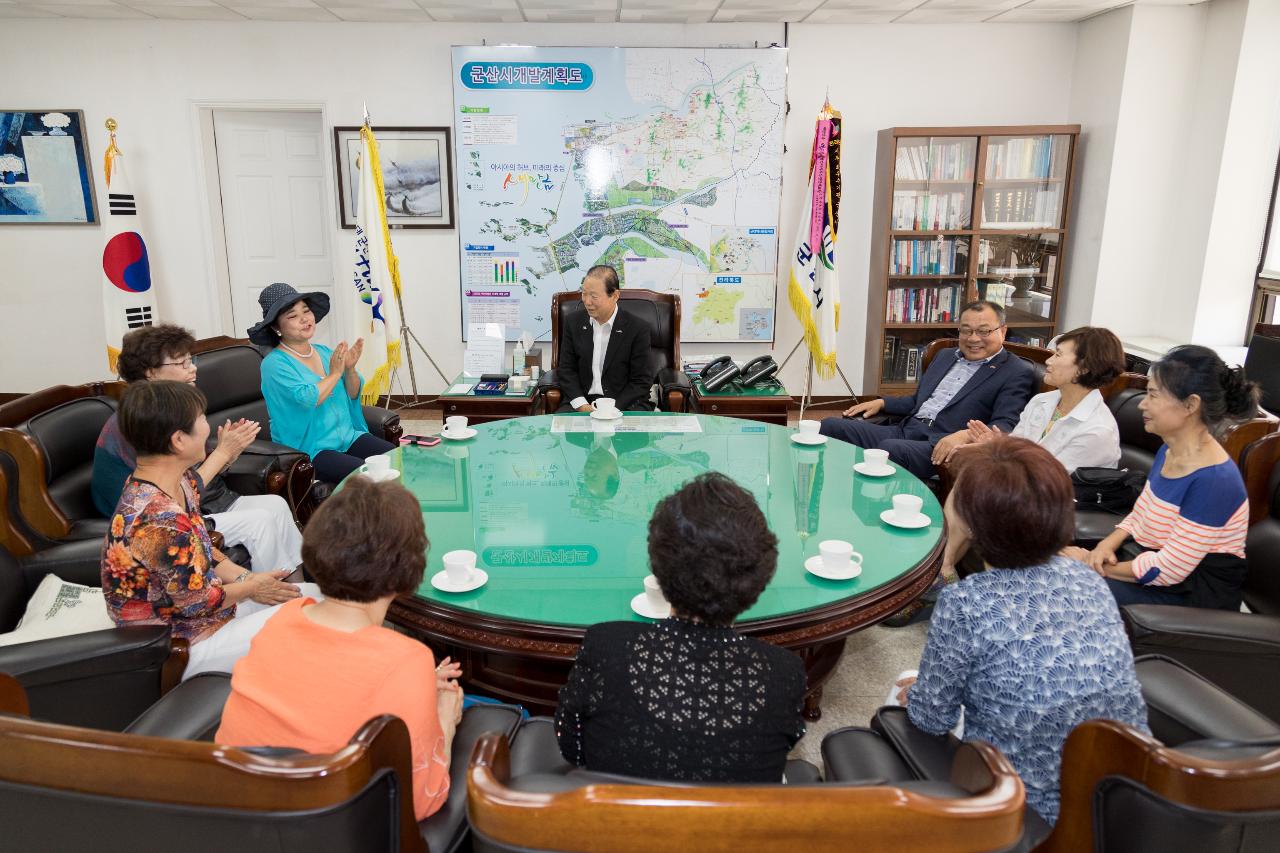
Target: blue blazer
(995, 395)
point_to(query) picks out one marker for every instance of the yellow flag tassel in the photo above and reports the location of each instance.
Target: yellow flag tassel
(379, 383)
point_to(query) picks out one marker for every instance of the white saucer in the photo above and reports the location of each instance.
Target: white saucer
(440, 580)
(391, 474)
(461, 436)
(640, 604)
(799, 439)
(814, 566)
(890, 517)
(601, 416)
(867, 471)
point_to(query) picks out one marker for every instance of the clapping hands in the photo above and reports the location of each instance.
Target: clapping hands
(345, 357)
(233, 438)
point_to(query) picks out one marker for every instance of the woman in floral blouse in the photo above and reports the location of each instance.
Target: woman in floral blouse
(158, 564)
(1034, 645)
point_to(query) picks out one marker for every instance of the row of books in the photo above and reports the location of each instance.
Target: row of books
(901, 362)
(924, 304)
(950, 161)
(1023, 208)
(926, 211)
(928, 257)
(1034, 157)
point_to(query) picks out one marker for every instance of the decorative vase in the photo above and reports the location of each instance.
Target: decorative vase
(57, 131)
(10, 178)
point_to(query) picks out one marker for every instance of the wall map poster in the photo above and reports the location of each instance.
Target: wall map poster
(665, 163)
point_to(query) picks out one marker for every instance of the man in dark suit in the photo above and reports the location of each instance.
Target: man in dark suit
(978, 380)
(606, 353)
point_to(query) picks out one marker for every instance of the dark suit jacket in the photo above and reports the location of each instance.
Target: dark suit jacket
(628, 373)
(995, 395)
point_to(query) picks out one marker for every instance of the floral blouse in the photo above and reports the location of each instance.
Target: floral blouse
(157, 563)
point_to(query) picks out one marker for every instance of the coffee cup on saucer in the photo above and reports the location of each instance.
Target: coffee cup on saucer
(876, 460)
(906, 508)
(455, 425)
(838, 556)
(606, 406)
(459, 565)
(377, 467)
(808, 430)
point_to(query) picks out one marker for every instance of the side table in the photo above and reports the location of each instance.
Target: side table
(768, 404)
(483, 408)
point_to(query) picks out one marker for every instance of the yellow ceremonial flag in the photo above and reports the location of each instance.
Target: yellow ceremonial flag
(376, 294)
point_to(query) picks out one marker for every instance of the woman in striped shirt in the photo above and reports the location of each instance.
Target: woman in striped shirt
(1189, 524)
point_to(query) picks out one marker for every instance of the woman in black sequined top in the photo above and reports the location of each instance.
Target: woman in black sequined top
(688, 698)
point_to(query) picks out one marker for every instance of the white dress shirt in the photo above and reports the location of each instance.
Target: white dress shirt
(1085, 437)
(600, 333)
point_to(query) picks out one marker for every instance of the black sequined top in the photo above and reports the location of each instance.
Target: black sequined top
(681, 701)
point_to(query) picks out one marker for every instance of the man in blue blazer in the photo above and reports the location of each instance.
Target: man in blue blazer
(976, 381)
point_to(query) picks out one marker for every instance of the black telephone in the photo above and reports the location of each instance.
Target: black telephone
(719, 373)
(758, 371)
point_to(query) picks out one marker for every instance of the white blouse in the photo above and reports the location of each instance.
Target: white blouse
(1085, 437)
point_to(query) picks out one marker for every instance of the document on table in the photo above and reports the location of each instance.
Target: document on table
(657, 423)
(460, 388)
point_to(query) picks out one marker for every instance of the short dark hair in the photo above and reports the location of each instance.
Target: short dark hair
(1017, 501)
(711, 549)
(147, 348)
(1225, 393)
(366, 541)
(151, 412)
(983, 305)
(606, 274)
(1099, 355)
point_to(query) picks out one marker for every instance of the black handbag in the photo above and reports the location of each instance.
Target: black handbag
(1108, 489)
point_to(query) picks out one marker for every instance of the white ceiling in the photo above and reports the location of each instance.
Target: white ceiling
(585, 11)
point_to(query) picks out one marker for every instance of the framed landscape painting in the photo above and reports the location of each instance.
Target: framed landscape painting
(416, 177)
(45, 176)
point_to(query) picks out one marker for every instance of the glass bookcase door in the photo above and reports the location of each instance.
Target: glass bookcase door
(1019, 271)
(933, 183)
(1024, 184)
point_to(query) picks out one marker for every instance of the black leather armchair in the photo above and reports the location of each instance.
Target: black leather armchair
(660, 311)
(100, 679)
(1239, 652)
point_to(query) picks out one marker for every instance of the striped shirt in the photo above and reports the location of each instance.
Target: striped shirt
(1183, 519)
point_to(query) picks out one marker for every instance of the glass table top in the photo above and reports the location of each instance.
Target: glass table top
(559, 520)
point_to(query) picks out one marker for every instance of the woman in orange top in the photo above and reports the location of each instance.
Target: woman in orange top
(317, 671)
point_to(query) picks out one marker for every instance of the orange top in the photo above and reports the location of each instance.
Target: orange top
(310, 687)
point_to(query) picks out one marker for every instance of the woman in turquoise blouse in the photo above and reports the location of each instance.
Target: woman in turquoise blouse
(312, 391)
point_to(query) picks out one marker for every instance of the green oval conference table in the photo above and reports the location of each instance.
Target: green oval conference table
(558, 517)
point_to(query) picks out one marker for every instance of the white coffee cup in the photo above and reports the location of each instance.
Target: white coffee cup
(839, 556)
(518, 383)
(377, 466)
(653, 594)
(455, 424)
(458, 565)
(606, 405)
(809, 429)
(876, 460)
(907, 507)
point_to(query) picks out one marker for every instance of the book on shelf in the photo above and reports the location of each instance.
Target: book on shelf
(1028, 207)
(913, 364)
(1030, 158)
(890, 352)
(925, 304)
(937, 161)
(921, 210)
(925, 257)
(900, 363)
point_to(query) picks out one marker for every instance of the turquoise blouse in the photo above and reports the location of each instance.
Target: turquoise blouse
(291, 390)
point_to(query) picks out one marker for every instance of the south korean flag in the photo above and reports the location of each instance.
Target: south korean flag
(126, 271)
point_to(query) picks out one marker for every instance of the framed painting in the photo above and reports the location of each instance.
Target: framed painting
(45, 176)
(416, 177)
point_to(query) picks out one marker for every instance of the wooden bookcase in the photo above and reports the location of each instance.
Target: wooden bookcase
(964, 213)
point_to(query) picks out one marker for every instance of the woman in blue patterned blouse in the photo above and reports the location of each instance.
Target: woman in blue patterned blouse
(1034, 645)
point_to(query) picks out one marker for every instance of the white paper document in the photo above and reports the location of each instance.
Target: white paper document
(460, 388)
(486, 347)
(657, 423)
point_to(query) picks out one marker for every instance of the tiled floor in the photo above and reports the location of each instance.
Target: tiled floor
(872, 658)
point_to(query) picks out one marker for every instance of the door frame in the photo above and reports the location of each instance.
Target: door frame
(213, 228)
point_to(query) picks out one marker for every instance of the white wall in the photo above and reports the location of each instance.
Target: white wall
(151, 75)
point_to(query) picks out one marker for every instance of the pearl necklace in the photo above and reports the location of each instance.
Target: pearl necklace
(298, 354)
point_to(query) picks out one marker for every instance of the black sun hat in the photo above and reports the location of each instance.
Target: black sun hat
(277, 298)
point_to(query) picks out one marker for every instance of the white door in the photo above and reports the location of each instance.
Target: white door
(275, 210)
